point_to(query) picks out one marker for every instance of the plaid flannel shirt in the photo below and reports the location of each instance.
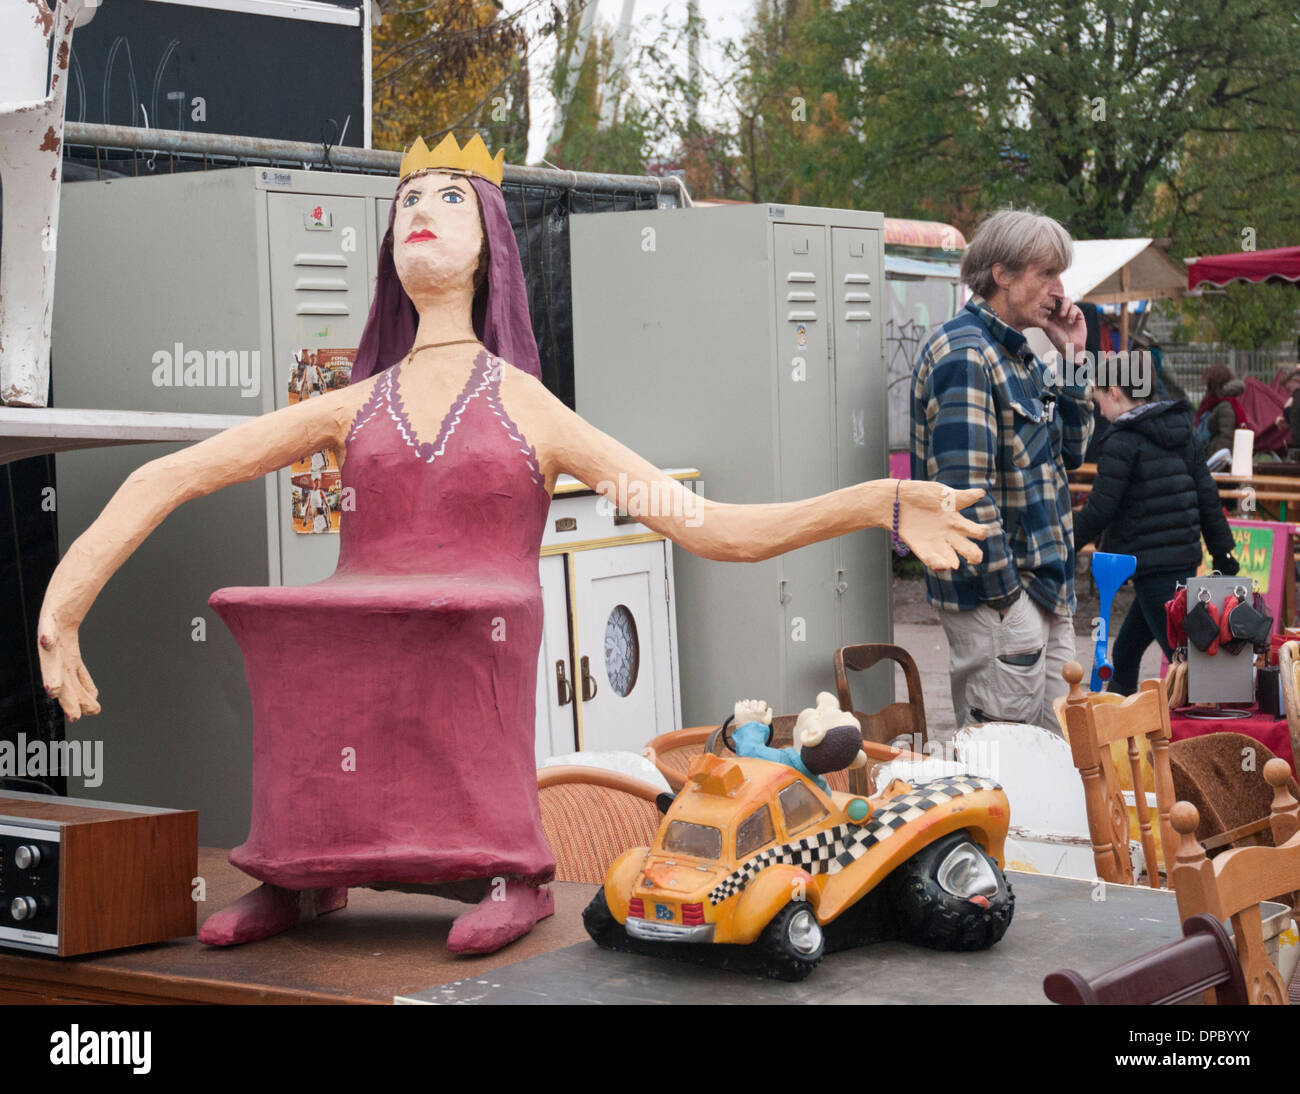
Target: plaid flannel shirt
(986, 415)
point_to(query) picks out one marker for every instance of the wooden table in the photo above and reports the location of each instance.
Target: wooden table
(379, 946)
(1058, 924)
(1264, 486)
(387, 945)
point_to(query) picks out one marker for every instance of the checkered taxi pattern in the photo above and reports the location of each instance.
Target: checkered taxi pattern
(832, 849)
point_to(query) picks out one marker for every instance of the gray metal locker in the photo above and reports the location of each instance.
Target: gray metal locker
(746, 341)
(235, 260)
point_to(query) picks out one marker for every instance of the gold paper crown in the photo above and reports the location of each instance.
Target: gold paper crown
(473, 158)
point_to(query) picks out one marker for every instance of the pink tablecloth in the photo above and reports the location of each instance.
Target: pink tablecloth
(1264, 728)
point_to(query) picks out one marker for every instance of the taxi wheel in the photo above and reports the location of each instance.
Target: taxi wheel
(604, 929)
(791, 946)
(951, 896)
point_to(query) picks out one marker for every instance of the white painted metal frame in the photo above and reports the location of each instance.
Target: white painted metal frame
(310, 10)
(31, 143)
(26, 432)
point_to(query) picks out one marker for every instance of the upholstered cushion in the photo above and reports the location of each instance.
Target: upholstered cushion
(589, 826)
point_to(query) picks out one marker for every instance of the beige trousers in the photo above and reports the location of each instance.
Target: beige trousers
(1009, 669)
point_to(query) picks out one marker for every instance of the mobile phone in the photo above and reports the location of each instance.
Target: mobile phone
(1056, 308)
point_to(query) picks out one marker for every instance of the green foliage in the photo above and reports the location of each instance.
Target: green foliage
(950, 109)
(449, 65)
(1241, 316)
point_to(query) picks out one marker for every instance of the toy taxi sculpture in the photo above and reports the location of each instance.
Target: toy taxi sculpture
(451, 446)
(755, 854)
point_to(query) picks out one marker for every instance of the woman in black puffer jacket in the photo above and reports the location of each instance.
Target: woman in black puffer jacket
(1154, 498)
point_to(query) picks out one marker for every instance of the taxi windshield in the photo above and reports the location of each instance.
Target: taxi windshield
(698, 840)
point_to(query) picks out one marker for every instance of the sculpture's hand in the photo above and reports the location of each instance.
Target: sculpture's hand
(66, 678)
(930, 523)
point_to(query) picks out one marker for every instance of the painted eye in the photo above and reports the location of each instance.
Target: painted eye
(410, 200)
(453, 197)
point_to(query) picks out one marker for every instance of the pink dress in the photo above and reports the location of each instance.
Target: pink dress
(418, 767)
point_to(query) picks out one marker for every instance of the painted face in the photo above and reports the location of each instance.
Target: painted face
(437, 234)
(1030, 295)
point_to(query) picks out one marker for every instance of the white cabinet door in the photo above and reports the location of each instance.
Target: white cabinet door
(623, 646)
(555, 689)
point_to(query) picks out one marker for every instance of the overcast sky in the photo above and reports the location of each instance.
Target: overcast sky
(724, 18)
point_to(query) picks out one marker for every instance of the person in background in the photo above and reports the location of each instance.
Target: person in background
(987, 414)
(1167, 387)
(1287, 381)
(1153, 498)
(1222, 402)
(1094, 343)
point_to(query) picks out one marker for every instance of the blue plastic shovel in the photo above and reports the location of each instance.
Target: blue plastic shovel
(1109, 572)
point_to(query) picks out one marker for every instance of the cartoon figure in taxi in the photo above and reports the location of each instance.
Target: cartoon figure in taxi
(757, 866)
(826, 738)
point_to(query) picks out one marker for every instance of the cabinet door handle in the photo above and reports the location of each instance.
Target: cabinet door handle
(841, 586)
(562, 685)
(588, 681)
(783, 594)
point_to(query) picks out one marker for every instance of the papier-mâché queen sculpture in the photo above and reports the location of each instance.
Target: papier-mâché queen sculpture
(450, 445)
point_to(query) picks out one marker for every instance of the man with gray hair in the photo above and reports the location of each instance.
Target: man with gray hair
(987, 413)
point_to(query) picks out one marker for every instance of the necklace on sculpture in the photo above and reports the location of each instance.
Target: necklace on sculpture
(439, 345)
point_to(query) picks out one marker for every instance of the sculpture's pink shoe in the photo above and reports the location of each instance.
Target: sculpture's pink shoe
(500, 917)
(268, 910)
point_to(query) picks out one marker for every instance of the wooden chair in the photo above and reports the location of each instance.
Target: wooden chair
(1288, 663)
(591, 816)
(673, 753)
(901, 719)
(1118, 768)
(1233, 885)
(1203, 959)
(1233, 804)
(1093, 724)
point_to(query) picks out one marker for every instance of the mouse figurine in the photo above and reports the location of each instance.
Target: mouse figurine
(829, 739)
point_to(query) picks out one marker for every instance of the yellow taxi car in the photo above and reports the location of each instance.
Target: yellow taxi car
(753, 854)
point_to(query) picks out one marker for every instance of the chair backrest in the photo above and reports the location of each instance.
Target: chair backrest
(901, 719)
(1233, 885)
(591, 816)
(1142, 720)
(1220, 774)
(673, 753)
(1201, 960)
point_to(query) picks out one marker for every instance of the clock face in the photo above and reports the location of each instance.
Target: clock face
(622, 650)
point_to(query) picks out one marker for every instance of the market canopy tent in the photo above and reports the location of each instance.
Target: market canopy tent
(1277, 266)
(1120, 271)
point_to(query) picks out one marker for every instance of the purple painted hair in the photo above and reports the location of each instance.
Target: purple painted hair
(500, 314)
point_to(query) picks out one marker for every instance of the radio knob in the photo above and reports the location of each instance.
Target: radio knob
(27, 857)
(22, 907)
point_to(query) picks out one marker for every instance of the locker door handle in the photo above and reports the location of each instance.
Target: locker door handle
(587, 681)
(782, 594)
(562, 685)
(841, 586)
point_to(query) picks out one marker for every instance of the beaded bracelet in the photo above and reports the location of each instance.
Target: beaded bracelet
(900, 548)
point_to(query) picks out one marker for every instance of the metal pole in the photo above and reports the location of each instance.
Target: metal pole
(215, 145)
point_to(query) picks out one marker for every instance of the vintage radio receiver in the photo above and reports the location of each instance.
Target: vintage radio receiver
(77, 876)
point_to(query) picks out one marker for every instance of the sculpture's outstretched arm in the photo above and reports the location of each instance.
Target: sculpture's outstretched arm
(929, 520)
(246, 451)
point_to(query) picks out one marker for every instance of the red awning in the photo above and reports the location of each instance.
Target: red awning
(1278, 266)
(923, 233)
